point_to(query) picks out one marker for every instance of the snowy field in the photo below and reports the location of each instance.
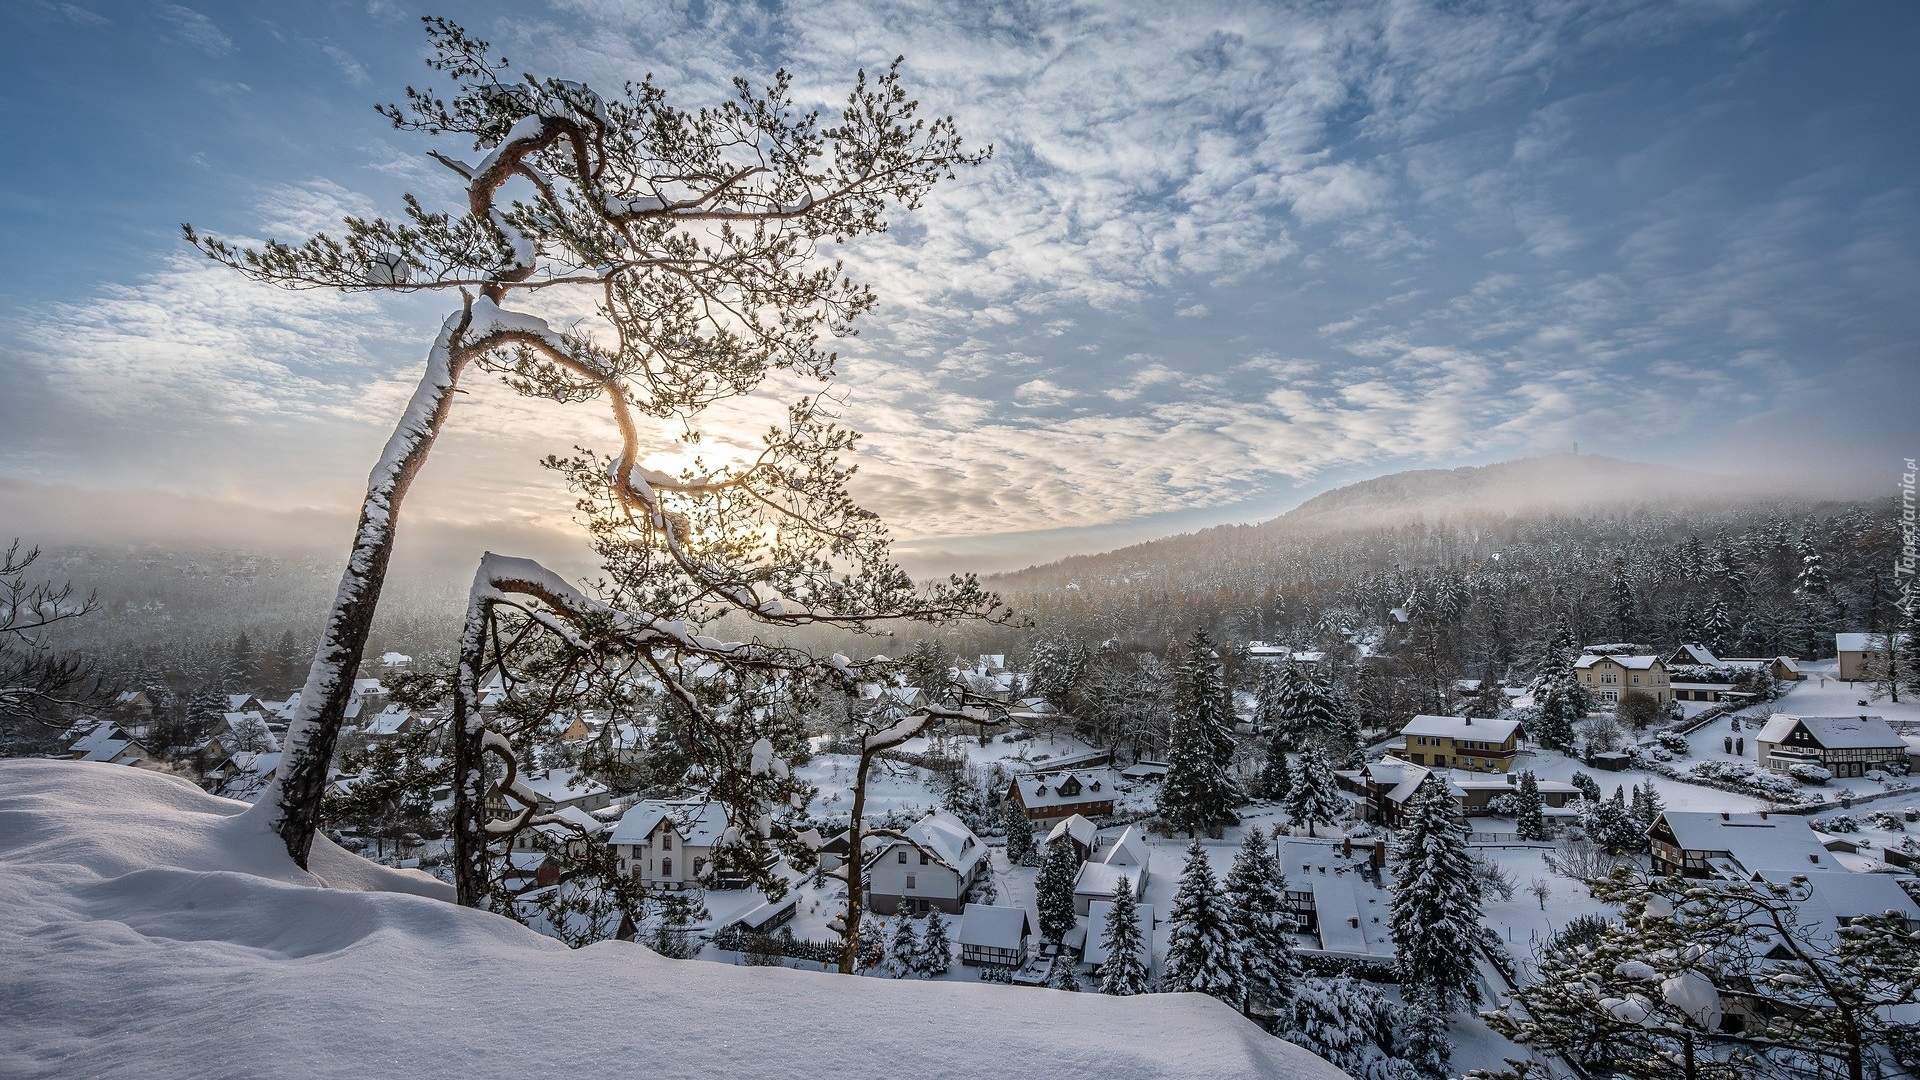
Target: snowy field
(153, 931)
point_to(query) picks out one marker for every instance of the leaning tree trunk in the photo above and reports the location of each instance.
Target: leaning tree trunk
(856, 865)
(294, 798)
(469, 826)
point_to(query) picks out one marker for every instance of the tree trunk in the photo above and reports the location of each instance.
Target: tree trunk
(856, 858)
(469, 825)
(293, 799)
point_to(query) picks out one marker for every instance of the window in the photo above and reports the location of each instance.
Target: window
(666, 867)
(909, 881)
(903, 855)
(923, 858)
(666, 841)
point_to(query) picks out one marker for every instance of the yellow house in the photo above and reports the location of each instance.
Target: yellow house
(1461, 742)
(1605, 677)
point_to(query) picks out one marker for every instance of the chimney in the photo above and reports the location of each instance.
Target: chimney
(1724, 816)
(1469, 721)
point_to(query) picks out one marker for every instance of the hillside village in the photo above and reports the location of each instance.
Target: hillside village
(997, 849)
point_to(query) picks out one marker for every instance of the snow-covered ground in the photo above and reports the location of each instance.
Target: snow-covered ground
(150, 930)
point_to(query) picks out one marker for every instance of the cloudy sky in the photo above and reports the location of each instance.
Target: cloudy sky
(1226, 255)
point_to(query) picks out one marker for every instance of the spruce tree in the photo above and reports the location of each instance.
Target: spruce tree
(1435, 913)
(1053, 890)
(1125, 973)
(1530, 819)
(903, 948)
(1064, 974)
(1199, 792)
(1276, 778)
(1558, 699)
(1202, 954)
(1315, 798)
(1019, 834)
(935, 955)
(1261, 923)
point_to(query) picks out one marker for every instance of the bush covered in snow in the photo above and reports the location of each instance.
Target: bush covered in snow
(1674, 743)
(1890, 822)
(1741, 777)
(1836, 823)
(1810, 774)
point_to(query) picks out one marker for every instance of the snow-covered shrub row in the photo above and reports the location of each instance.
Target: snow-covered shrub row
(1810, 774)
(1379, 971)
(1888, 821)
(1836, 823)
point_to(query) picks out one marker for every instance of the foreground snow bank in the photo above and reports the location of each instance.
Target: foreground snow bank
(149, 930)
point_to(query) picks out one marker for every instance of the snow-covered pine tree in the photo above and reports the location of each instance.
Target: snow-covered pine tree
(1053, 889)
(1559, 702)
(1020, 850)
(1203, 956)
(1435, 913)
(1064, 974)
(1315, 798)
(1421, 1039)
(1346, 1022)
(935, 955)
(670, 223)
(1276, 776)
(903, 946)
(1198, 792)
(1125, 972)
(1646, 808)
(1529, 814)
(1261, 922)
(928, 667)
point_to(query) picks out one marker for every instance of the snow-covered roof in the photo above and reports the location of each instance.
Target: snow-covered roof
(395, 659)
(699, 822)
(1078, 828)
(1642, 662)
(104, 742)
(1039, 790)
(1860, 642)
(1461, 728)
(389, 721)
(563, 785)
(1755, 842)
(993, 926)
(1834, 732)
(1103, 879)
(1695, 654)
(1846, 896)
(1127, 849)
(948, 840)
(1096, 951)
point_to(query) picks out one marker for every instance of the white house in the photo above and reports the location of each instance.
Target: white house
(932, 866)
(1857, 653)
(1608, 675)
(1079, 832)
(668, 843)
(1100, 876)
(106, 741)
(1700, 844)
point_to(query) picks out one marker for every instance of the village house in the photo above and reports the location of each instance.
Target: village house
(668, 843)
(1079, 832)
(1703, 844)
(932, 866)
(1694, 673)
(1461, 742)
(1843, 745)
(1337, 896)
(1607, 676)
(132, 707)
(1054, 796)
(106, 741)
(1859, 654)
(1099, 878)
(1383, 789)
(1095, 952)
(994, 936)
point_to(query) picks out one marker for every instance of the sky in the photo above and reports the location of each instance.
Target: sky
(1225, 255)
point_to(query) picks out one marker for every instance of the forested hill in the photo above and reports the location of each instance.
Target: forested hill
(1628, 551)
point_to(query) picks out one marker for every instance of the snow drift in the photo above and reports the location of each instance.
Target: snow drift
(149, 930)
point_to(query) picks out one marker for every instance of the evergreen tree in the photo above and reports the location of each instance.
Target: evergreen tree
(935, 956)
(928, 667)
(1202, 954)
(1423, 1041)
(1260, 922)
(1053, 890)
(1589, 787)
(1436, 901)
(1346, 1022)
(239, 669)
(1125, 973)
(1064, 974)
(903, 947)
(1019, 834)
(1198, 791)
(1610, 824)
(1559, 700)
(1315, 798)
(291, 666)
(1276, 778)
(1646, 809)
(672, 937)
(1530, 819)
(1269, 698)
(1717, 632)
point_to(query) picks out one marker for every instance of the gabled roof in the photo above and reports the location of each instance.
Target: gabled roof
(1835, 732)
(1864, 642)
(1698, 655)
(1461, 727)
(947, 840)
(1755, 842)
(699, 822)
(562, 785)
(1643, 662)
(104, 743)
(992, 926)
(1127, 849)
(1043, 789)
(1078, 828)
